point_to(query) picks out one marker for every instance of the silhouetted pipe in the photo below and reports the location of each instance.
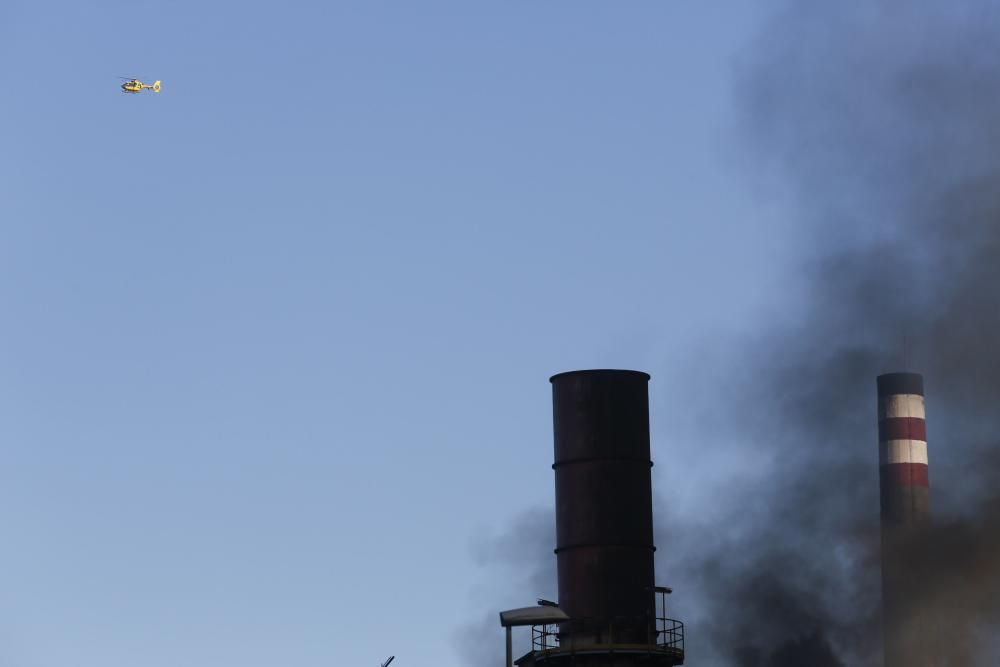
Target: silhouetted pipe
(604, 505)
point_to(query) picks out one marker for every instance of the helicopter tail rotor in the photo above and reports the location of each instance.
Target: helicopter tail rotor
(156, 86)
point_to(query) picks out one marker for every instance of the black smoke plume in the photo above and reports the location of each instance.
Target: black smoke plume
(883, 119)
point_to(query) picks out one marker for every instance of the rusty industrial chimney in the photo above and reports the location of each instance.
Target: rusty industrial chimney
(604, 528)
(604, 502)
(905, 506)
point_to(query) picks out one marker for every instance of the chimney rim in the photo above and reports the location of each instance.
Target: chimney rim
(902, 382)
(602, 371)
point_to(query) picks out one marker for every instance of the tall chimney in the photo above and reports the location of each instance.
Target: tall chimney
(604, 502)
(604, 528)
(905, 506)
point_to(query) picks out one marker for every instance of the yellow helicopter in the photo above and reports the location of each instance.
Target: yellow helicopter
(136, 86)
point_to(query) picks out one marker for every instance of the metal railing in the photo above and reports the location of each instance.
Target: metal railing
(659, 635)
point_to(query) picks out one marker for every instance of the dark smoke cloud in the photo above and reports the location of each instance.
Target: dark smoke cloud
(523, 568)
(884, 118)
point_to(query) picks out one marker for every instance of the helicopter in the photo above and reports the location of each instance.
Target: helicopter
(136, 86)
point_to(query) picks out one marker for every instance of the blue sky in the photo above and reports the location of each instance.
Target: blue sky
(276, 341)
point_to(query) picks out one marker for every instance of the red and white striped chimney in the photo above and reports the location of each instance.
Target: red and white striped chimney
(902, 435)
(905, 504)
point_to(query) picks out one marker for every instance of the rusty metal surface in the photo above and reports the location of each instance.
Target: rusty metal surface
(604, 523)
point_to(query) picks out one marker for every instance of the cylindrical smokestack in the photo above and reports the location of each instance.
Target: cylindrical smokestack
(902, 434)
(604, 510)
(905, 504)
